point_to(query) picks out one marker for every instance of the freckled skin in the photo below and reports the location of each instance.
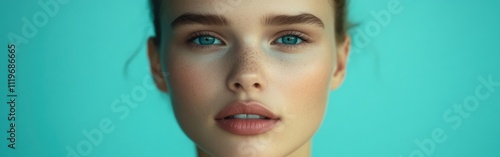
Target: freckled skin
(294, 83)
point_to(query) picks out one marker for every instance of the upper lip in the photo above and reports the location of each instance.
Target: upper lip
(241, 107)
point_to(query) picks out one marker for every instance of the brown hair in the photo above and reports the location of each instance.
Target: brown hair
(341, 23)
(338, 5)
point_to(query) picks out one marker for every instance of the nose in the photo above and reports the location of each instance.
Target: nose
(247, 74)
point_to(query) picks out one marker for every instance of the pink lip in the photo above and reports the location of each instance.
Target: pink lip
(246, 126)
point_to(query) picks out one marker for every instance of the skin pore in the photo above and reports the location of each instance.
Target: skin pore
(285, 54)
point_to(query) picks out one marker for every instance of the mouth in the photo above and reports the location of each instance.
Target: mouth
(246, 118)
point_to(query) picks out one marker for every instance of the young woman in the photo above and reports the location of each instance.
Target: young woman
(249, 77)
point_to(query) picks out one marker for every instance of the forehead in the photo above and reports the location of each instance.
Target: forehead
(248, 10)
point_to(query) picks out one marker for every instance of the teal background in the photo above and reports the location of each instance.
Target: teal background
(399, 85)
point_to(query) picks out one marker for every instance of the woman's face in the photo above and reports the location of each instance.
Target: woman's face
(224, 59)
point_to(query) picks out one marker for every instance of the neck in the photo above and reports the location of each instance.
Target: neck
(303, 151)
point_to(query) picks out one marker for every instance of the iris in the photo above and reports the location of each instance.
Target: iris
(289, 40)
(207, 40)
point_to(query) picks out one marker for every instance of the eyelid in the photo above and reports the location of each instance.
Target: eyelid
(204, 33)
(305, 38)
(291, 47)
(198, 47)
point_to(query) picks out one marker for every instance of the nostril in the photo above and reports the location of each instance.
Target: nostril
(237, 85)
(240, 86)
(256, 85)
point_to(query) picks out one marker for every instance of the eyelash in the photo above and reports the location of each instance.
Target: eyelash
(305, 39)
(200, 34)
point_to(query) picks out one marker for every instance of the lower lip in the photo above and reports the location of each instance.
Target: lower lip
(246, 126)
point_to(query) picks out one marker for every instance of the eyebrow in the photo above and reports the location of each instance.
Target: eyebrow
(212, 19)
(204, 19)
(304, 18)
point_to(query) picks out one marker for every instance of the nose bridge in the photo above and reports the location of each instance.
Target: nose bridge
(246, 59)
(246, 68)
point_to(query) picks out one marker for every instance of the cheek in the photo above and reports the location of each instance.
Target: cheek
(310, 94)
(305, 87)
(192, 85)
(308, 81)
(186, 82)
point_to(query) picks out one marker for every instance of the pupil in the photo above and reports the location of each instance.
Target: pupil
(290, 40)
(206, 40)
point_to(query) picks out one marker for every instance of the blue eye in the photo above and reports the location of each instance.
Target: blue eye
(207, 40)
(289, 40)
